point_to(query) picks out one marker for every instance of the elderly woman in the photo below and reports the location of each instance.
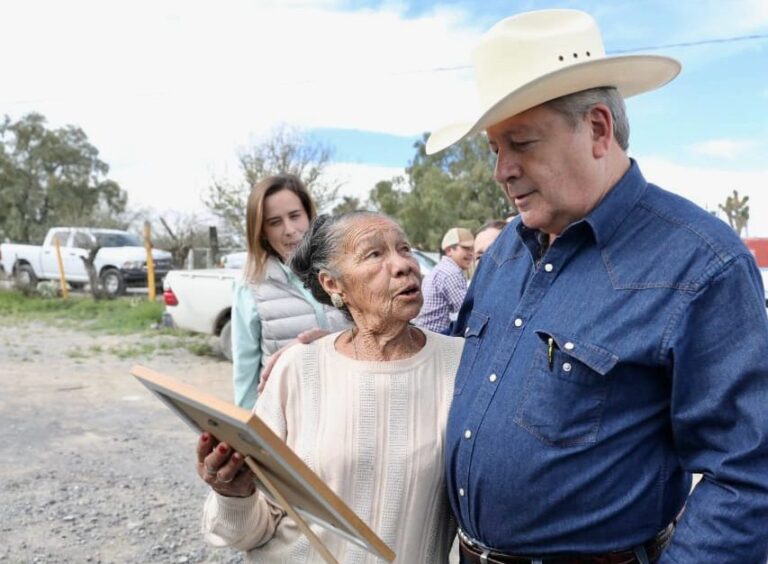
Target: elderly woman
(271, 306)
(366, 408)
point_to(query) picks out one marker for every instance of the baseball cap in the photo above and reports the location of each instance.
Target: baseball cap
(457, 236)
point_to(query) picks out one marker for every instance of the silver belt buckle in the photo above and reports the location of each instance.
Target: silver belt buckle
(484, 557)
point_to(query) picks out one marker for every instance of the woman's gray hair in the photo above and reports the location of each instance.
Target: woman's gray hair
(575, 106)
(319, 250)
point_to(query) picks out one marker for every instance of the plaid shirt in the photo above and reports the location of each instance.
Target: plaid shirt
(444, 289)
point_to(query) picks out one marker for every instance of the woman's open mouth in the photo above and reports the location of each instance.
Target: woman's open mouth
(411, 291)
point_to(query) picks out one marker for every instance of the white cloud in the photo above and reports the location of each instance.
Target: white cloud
(710, 186)
(170, 91)
(723, 148)
(358, 180)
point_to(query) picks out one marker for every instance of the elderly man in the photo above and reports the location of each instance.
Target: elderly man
(615, 333)
(445, 286)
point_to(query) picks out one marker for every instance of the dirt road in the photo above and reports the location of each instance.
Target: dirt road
(94, 468)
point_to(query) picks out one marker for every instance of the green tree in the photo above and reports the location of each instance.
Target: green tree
(454, 188)
(347, 204)
(736, 211)
(285, 151)
(51, 177)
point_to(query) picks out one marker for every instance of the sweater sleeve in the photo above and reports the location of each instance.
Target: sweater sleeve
(246, 346)
(247, 523)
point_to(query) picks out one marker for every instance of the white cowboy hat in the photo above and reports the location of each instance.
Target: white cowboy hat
(534, 57)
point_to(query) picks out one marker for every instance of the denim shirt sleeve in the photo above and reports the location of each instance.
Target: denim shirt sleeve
(719, 409)
(246, 346)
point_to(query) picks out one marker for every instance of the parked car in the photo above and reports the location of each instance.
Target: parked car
(120, 262)
(427, 260)
(201, 301)
(234, 260)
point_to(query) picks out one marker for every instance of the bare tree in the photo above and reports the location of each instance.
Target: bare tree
(285, 151)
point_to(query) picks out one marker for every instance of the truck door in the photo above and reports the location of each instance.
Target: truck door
(79, 247)
(48, 262)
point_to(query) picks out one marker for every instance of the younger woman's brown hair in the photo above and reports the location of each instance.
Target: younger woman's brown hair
(258, 247)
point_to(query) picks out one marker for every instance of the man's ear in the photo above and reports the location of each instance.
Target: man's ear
(329, 283)
(600, 122)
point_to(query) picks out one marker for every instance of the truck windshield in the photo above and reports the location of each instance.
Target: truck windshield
(117, 240)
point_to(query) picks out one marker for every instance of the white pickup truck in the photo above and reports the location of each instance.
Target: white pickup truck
(120, 261)
(201, 301)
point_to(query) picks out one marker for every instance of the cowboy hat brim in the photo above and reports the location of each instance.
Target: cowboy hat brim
(630, 74)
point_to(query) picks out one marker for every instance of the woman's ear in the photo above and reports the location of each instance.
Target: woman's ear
(328, 283)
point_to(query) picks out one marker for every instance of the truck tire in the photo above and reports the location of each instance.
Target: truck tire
(25, 277)
(225, 340)
(112, 282)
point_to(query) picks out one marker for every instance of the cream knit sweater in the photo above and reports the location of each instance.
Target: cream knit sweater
(374, 432)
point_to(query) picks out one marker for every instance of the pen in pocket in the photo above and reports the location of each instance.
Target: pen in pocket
(550, 353)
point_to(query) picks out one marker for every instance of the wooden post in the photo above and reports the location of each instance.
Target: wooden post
(62, 277)
(213, 242)
(150, 263)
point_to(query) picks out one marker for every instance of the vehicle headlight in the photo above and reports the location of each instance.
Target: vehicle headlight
(133, 265)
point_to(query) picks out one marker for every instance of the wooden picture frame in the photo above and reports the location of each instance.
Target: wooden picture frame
(280, 473)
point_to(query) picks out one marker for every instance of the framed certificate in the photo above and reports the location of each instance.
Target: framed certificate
(280, 473)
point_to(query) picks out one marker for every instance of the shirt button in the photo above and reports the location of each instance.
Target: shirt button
(568, 346)
(467, 434)
(518, 322)
(461, 492)
(567, 366)
(548, 267)
(492, 377)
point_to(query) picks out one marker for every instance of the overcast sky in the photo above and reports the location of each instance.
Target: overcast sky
(171, 91)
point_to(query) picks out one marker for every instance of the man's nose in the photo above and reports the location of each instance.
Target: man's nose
(507, 168)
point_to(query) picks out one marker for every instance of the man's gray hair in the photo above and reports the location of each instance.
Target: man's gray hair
(575, 106)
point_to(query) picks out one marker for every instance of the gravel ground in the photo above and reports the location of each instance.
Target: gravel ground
(93, 467)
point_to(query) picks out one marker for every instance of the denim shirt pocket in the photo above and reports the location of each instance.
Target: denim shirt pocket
(473, 336)
(564, 395)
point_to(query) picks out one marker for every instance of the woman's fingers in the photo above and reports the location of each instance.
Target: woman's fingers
(205, 445)
(310, 335)
(305, 337)
(222, 469)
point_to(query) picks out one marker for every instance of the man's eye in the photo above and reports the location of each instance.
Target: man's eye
(521, 144)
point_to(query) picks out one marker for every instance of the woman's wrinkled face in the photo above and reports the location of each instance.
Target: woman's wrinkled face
(380, 280)
(285, 222)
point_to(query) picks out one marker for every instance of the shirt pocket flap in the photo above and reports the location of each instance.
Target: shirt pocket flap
(597, 358)
(475, 324)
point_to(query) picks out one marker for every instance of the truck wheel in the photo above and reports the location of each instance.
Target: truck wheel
(225, 340)
(112, 282)
(25, 277)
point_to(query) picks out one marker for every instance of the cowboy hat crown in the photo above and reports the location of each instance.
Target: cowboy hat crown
(531, 58)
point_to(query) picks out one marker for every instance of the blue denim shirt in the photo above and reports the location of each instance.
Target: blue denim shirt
(658, 368)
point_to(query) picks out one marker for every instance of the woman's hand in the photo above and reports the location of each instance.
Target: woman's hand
(222, 468)
(305, 337)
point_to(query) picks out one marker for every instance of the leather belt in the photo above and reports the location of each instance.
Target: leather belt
(476, 554)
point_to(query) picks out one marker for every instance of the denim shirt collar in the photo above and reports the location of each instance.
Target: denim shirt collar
(616, 205)
(610, 212)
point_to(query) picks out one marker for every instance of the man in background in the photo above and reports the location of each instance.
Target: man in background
(486, 235)
(445, 286)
